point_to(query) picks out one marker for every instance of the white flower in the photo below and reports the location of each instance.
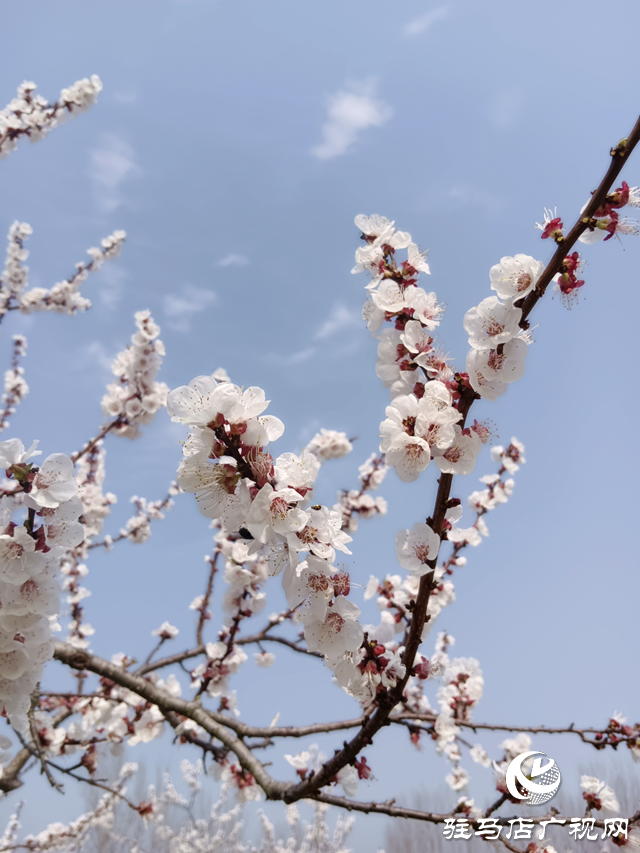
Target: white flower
(299, 761)
(274, 511)
(149, 726)
(391, 357)
(297, 472)
(62, 525)
(391, 298)
(460, 456)
(469, 535)
(491, 323)
(312, 580)
(264, 659)
(322, 533)
(600, 796)
(479, 755)
(12, 452)
(370, 475)
(348, 778)
(413, 426)
(338, 633)
(606, 226)
(457, 779)
(425, 307)
(166, 631)
(415, 547)
(54, 483)
(415, 339)
(446, 729)
(373, 225)
(214, 484)
(409, 455)
(417, 259)
(372, 587)
(489, 369)
(515, 746)
(329, 444)
(514, 278)
(19, 560)
(204, 399)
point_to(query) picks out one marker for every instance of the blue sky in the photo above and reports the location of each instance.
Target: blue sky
(235, 143)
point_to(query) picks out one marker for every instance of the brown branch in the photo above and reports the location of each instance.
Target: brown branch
(389, 808)
(413, 637)
(175, 720)
(496, 805)
(154, 650)
(9, 780)
(207, 597)
(619, 156)
(125, 534)
(260, 637)
(46, 763)
(92, 442)
(219, 728)
(214, 724)
(549, 730)
(37, 752)
(119, 538)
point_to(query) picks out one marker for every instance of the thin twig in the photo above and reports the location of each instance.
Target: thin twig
(92, 442)
(207, 597)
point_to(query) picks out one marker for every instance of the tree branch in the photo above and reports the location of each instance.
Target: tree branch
(92, 442)
(214, 724)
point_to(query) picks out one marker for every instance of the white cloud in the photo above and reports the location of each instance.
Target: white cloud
(340, 318)
(180, 308)
(350, 111)
(111, 284)
(233, 260)
(294, 358)
(424, 22)
(110, 165)
(96, 352)
(301, 355)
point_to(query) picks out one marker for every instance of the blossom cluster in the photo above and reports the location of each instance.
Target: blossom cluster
(110, 716)
(64, 297)
(96, 505)
(136, 397)
(31, 549)
(15, 386)
(73, 835)
(138, 527)
(422, 422)
(498, 344)
(32, 116)
(406, 352)
(606, 221)
(354, 504)
(263, 506)
(15, 274)
(329, 444)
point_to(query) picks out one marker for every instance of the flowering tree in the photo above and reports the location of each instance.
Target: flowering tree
(266, 523)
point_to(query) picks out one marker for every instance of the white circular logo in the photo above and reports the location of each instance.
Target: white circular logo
(547, 778)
